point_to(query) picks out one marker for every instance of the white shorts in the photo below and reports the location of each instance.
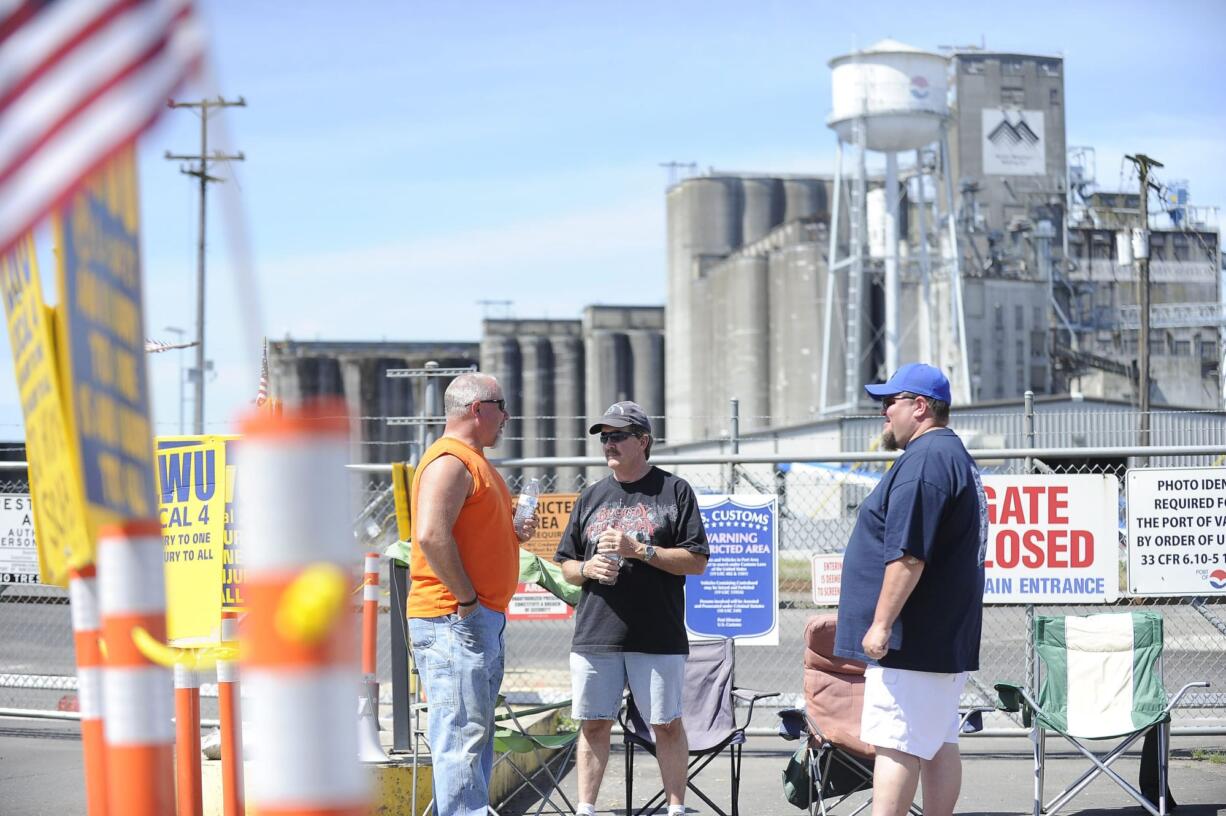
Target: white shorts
(911, 711)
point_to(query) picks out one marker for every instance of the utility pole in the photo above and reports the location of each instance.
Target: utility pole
(1140, 252)
(201, 171)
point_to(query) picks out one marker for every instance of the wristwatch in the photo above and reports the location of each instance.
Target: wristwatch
(649, 552)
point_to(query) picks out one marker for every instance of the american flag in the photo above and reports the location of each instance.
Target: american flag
(261, 396)
(79, 80)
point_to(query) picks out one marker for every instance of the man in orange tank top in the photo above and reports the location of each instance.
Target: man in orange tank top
(464, 568)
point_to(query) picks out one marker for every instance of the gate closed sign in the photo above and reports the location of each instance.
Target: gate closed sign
(1052, 539)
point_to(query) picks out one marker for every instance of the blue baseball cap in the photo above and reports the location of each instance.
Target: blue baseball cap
(920, 379)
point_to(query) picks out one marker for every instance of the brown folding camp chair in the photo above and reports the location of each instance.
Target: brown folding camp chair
(834, 763)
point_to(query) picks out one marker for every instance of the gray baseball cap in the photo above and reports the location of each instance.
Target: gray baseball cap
(623, 415)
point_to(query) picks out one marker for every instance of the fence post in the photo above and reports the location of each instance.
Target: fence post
(734, 443)
(1032, 667)
(1029, 426)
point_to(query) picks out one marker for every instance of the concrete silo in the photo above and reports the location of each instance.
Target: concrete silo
(647, 355)
(763, 207)
(745, 333)
(704, 224)
(796, 283)
(804, 198)
(500, 357)
(536, 407)
(569, 404)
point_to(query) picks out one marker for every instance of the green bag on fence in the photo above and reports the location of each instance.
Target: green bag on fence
(797, 786)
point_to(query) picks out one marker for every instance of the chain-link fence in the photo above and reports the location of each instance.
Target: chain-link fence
(817, 502)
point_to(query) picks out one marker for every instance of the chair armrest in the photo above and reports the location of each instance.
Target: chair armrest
(751, 696)
(1183, 691)
(970, 720)
(510, 713)
(1010, 696)
(793, 724)
(1016, 698)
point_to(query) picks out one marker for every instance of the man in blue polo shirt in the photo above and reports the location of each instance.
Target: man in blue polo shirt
(911, 603)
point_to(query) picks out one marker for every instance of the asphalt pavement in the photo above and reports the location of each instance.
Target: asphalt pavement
(41, 775)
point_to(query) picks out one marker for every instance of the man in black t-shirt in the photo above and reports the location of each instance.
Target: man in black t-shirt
(631, 540)
(911, 602)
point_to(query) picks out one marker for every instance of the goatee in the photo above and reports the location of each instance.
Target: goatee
(888, 442)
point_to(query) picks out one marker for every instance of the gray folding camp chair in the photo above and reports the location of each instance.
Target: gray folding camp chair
(709, 714)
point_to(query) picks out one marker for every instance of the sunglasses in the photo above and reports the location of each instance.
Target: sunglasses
(616, 437)
(888, 401)
(501, 403)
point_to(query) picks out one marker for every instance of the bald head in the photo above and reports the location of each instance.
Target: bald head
(467, 389)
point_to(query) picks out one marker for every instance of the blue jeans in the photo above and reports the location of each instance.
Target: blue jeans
(461, 665)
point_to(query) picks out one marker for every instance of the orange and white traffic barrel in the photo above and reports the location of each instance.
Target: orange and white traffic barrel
(137, 694)
(229, 713)
(86, 625)
(187, 741)
(370, 624)
(299, 656)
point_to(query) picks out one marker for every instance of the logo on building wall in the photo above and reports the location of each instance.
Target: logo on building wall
(919, 87)
(1013, 143)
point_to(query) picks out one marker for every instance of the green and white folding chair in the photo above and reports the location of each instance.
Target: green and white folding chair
(1101, 678)
(514, 743)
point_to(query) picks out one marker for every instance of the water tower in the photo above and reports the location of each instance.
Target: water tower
(891, 98)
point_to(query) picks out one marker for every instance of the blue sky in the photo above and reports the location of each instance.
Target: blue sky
(405, 160)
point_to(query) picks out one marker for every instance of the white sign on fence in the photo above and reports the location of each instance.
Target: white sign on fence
(1052, 538)
(1177, 531)
(18, 556)
(827, 578)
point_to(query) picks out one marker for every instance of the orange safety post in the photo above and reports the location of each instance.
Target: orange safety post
(187, 741)
(370, 623)
(231, 723)
(299, 655)
(138, 695)
(86, 624)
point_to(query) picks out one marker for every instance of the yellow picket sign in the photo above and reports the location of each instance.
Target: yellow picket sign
(59, 511)
(191, 474)
(101, 346)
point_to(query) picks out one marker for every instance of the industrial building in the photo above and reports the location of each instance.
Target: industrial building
(561, 373)
(988, 251)
(357, 372)
(984, 245)
(556, 375)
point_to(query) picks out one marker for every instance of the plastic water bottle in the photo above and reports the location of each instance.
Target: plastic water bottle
(526, 508)
(616, 560)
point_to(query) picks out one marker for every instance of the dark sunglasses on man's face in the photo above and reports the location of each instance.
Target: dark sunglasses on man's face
(501, 403)
(616, 437)
(888, 401)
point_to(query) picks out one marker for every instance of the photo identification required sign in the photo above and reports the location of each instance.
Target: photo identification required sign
(1177, 531)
